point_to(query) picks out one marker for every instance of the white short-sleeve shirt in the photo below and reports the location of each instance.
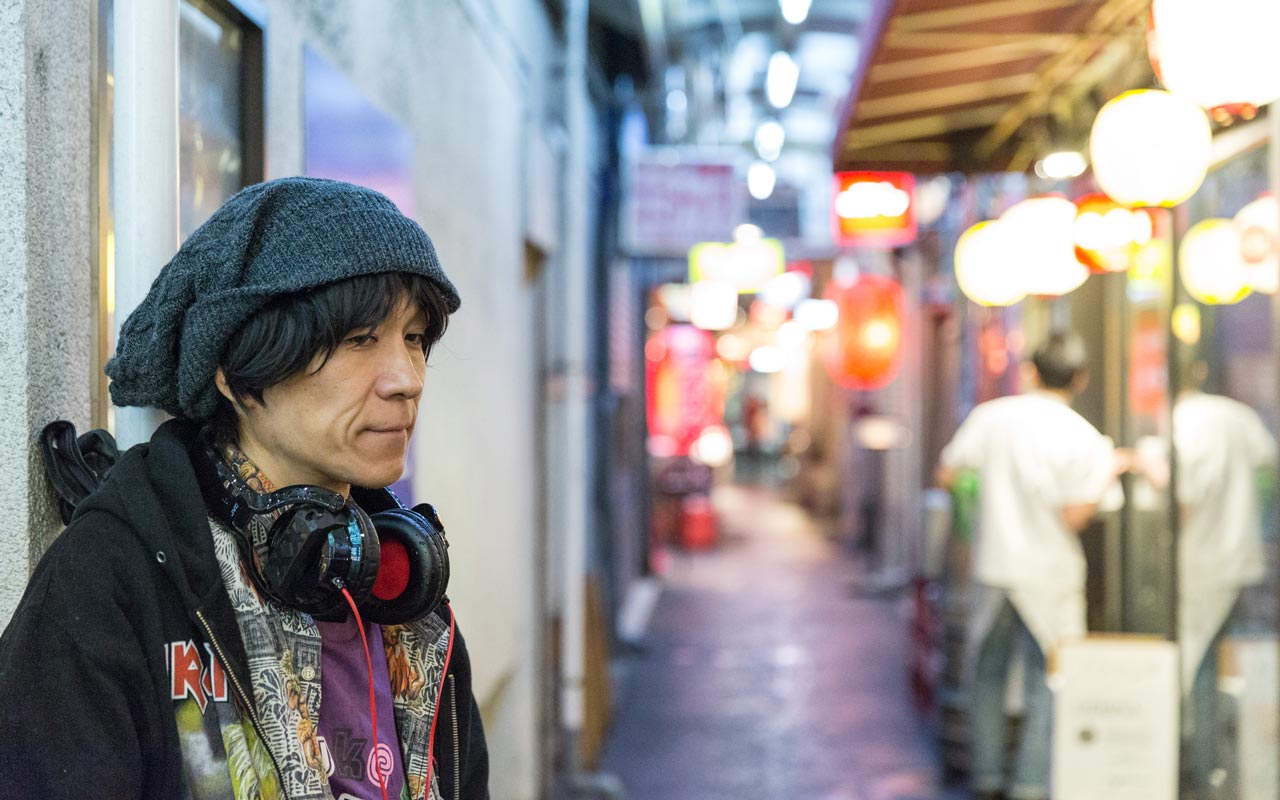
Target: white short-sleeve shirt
(1221, 443)
(1034, 456)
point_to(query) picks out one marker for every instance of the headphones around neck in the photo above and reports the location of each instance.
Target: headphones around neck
(301, 545)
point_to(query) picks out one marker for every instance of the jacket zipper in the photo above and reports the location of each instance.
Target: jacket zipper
(244, 698)
(457, 745)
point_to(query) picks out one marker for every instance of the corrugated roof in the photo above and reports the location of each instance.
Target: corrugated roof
(948, 85)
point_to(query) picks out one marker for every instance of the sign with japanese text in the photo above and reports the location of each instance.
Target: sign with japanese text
(675, 200)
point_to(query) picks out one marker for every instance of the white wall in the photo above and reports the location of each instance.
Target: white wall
(455, 75)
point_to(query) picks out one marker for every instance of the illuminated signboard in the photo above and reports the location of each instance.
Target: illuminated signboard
(874, 209)
(745, 265)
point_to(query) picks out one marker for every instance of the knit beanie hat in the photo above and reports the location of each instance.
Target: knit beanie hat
(279, 237)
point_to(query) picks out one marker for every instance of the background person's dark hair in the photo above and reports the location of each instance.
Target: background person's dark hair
(1060, 359)
(287, 334)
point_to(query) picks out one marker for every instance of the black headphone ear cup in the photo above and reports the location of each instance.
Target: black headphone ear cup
(404, 598)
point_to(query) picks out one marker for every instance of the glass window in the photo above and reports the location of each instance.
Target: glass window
(219, 108)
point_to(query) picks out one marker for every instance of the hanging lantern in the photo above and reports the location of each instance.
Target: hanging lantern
(1150, 148)
(1220, 55)
(986, 267)
(1043, 246)
(680, 395)
(1210, 264)
(1258, 226)
(865, 347)
(1109, 236)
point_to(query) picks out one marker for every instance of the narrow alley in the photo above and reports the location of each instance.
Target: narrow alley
(764, 676)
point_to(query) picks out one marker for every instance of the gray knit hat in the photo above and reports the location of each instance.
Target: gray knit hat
(273, 238)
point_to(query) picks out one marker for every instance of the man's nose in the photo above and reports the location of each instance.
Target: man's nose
(402, 375)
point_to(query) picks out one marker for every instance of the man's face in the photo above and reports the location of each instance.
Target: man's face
(350, 421)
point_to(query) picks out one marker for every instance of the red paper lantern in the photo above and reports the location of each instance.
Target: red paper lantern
(865, 348)
(682, 397)
(1108, 236)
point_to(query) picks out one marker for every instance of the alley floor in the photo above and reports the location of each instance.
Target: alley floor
(762, 675)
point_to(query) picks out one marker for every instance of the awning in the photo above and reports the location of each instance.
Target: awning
(946, 85)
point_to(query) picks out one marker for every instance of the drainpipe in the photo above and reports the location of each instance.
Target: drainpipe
(145, 194)
(577, 407)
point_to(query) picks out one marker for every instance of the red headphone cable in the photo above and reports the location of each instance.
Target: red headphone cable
(373, 708)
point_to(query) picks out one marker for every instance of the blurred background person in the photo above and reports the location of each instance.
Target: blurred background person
(1224, 455)
(1043, 471)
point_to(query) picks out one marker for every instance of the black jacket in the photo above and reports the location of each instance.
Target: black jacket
(87, 702)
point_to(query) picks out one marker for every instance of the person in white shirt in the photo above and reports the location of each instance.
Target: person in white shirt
(1043, 471)
(1222, 446)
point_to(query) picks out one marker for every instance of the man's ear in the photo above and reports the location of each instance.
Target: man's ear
(220, 381)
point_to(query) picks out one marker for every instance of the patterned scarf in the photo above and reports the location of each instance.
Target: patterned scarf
(283, 648)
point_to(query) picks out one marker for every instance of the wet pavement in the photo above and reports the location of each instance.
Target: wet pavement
(764, 677)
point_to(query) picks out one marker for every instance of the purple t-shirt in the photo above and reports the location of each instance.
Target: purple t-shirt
(346, 743)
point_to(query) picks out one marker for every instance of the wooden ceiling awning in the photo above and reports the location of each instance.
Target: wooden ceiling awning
(959, 85)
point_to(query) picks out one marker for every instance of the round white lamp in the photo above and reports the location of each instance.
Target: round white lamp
(1210, 264)
(1044, 245)
(986, 266)
(1150, 148)
(1220, 55)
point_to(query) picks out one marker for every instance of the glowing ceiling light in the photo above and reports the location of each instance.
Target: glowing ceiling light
(770, 137)
(780, 82)
(1062, 165)
(760, 180)
(795, 11)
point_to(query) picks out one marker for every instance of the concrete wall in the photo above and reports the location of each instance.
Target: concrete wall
(46, 312)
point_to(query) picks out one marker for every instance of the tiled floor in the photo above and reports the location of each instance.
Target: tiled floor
(764, 678)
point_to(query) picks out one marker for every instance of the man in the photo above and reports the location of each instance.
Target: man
(188, 635)
(1043, 470)
(1225, 453)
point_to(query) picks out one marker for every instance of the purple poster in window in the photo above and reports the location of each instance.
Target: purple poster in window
(349, 139)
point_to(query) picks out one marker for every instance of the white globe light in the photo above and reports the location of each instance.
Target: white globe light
(767, 359)
(1210, 264)
(786, 290)
(760, 180)
(770, 137)
(817, 315)
(1044, 245)
(1150, 148)
(713, 447)
(986, 267)
(713, 305)
(1218, 54)
(1258, 225)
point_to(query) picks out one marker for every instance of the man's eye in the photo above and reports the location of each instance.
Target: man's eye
(420, 339)
(361, 339)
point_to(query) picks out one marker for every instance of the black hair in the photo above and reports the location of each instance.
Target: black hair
(1060, 359)
(285, 336)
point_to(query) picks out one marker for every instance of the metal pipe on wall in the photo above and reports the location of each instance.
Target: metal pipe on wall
(145, 176)
(576, 404)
